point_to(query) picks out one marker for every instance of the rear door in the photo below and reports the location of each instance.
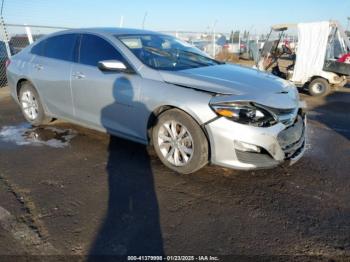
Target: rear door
(51, 73)
(101, 98)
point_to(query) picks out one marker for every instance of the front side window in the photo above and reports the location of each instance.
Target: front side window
(164, 52)
(60, 47)
(94, 49)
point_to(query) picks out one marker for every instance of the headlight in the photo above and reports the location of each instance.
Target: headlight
(245, 113)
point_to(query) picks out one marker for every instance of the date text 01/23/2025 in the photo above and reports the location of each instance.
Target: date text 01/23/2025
(173, 258)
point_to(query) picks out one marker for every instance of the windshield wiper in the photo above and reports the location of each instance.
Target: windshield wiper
(170, 55)
(200, 55)
(157, 51)
(185, 60)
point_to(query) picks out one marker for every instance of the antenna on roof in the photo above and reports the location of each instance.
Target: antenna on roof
(2, 6)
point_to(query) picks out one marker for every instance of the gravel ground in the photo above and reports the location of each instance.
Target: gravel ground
(86, 193)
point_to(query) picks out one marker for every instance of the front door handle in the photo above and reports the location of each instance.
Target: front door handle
(38, 67)
(78, 75)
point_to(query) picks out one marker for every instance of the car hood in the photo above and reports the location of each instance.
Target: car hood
(237, 82)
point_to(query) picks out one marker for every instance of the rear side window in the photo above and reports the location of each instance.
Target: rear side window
(94, 49)
(60, 47)
(38, 49)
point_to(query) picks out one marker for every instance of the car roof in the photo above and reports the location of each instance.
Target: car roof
(111, 31)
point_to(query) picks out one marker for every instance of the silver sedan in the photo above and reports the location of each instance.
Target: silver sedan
(155, 89)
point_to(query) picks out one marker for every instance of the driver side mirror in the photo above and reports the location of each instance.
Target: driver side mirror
(112, 65)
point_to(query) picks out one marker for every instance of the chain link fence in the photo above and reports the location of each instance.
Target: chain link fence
(15, 37)
(224, 47)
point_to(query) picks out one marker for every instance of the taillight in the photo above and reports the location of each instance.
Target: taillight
(7, 63)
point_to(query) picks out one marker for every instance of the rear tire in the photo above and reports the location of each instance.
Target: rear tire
(179, 142)
(31, 105)
(319, 87)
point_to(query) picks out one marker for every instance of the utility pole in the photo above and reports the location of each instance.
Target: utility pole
(29, 34)
(144, 20)
(121, 21)
(239, 43)
(214, 42)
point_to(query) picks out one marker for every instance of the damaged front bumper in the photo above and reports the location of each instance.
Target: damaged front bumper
(247, 147)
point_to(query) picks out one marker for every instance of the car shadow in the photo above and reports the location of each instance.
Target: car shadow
(131, 225)
(331, 112)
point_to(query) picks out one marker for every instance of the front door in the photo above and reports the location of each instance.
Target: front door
(104, 99)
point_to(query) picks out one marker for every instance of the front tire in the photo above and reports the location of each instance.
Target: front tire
(179, 142)
(31, 105)
(319, 87)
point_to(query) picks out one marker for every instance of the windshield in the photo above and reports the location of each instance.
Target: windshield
(166, 52)
(337, 46)
(272, 42)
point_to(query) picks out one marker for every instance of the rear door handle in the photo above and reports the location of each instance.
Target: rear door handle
(78, 75)
(38, 67)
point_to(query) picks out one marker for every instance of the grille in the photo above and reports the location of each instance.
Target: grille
(292, 139)
(285, 116)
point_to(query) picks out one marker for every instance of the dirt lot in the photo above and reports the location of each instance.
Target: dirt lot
(69, 190)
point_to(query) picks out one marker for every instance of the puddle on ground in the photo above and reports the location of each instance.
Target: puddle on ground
(25, 134)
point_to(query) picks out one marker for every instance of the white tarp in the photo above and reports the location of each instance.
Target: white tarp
(311, 51)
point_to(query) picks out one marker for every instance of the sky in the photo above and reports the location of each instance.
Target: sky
(192, 15)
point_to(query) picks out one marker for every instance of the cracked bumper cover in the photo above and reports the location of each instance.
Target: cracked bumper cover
(278, 144)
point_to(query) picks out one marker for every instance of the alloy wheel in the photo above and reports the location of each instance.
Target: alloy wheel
(175, 143)
(29, 105)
